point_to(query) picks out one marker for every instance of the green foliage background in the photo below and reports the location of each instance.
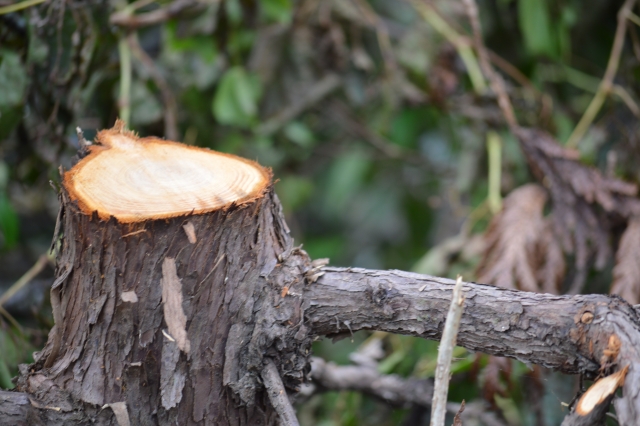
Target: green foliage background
(374, 124)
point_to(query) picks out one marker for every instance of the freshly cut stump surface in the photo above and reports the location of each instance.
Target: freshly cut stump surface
(135, 179)
(177, 282)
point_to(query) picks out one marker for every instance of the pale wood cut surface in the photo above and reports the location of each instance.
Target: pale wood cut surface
(136, 179)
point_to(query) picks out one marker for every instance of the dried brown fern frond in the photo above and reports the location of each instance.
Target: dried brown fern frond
(585, 202)
(495, 380)
(552, 267)
(521, 250)
(626, 273)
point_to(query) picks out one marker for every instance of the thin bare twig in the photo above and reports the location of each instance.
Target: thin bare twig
(10, 318)
(445, 353)
(340, 113)
(25, 279)
(461, 43)
(634, 18)
(278, 395)
(606, 85)
(124, 97)
(124, 18)
(170, 105)
(382, 34)
(19, 6)
(495, 80)
(315, 94)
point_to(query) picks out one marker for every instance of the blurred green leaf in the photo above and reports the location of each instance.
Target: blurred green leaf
(145, 107)
(535, 24)
(4, 175)
(294, 191)
(299, 133)
(8, 356)
(8, 222)
(236, 100)
(509, 410)
(407, 126)
(387, 365)
(234, 11)
(13, 79)
(277, 10)
(9, 119)
(331, 246)
(345, 177)
(203, 45)
(5, 376)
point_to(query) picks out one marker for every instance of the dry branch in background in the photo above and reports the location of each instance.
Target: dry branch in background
(390, 388)
(168, 99)
(162, 14)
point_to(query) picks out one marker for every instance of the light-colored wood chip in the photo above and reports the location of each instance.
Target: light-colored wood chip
(120, 411)
(172, 303)
(600, 391)
(129, 296)
(190, 230)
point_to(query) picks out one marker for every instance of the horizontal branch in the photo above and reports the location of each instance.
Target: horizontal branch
(390, 388)
(566, 333)
(553, 331)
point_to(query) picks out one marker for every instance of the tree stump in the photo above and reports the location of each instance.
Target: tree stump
(177, 283)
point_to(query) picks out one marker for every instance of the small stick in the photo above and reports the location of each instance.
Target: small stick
(139, 231)
(25, 279)
(495, 80)
(125, 18)
(170, 105)
(445, 353)
(278, 395)
(315, 94)
(606, 85)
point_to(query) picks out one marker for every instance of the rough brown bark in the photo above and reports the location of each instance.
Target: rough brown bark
(568, 333)
(572, 334)
(113, 339)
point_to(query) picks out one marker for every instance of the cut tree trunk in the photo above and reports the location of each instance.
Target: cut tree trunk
(180, 299)
(169, 292)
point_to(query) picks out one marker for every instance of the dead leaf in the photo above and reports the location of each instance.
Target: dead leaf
(172, 303)
(457, 420)
(495, 379)
(626, 273)
(517, 243)
(552, 267)
(585, 202)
